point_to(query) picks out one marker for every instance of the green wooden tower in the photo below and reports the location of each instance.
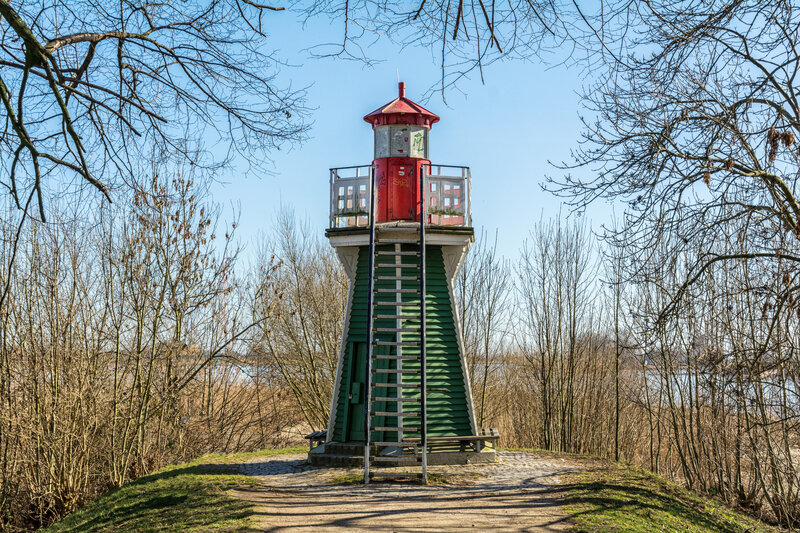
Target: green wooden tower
(402, 392)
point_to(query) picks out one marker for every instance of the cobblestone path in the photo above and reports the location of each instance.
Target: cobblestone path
(519, 493)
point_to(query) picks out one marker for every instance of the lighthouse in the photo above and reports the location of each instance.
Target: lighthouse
(401, 228)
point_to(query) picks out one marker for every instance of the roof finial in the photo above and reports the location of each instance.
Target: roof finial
(401, 89)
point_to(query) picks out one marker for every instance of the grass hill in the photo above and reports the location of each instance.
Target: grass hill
(617, 497)
(194, 497)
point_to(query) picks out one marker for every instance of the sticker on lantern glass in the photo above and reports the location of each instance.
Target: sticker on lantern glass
(417, 148)
(398, 139)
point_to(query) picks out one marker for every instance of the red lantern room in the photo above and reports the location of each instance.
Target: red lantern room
(401, 130)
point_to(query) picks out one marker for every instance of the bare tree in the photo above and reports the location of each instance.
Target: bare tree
(90, 86)
(483, 287)
(299, 305)
(695, 126)
(557, 291)
(464, 36)
(123, 347)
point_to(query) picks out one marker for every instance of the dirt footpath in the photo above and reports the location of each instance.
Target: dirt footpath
(519, 493)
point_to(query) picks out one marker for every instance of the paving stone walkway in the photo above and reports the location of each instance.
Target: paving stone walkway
(519, 493)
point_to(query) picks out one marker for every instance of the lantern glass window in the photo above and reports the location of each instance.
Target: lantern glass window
(401, 140)
(398, 141)
(381, 142)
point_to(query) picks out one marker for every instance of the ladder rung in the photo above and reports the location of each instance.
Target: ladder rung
(392, 252)
(397, 265)
(399, 475)
(397, 357)
(415, 228)
(397, 291)
(397, 459)
(407, 444)
(397, 386)
(397, 241)
(396, 343)
(403, 415)
(393, 371)
(404, 400)
(396, 304)
(396, 330)
(412, 316)
(397, 278)
(396, 429)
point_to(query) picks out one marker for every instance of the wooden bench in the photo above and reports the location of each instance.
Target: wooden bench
(316, 437)
(475, 441)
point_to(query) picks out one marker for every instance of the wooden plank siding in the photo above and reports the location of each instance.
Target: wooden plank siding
(448, 410)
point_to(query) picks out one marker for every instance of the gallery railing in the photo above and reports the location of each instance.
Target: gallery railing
(447, 195)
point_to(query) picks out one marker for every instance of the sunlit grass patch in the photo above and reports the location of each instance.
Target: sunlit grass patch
(187, 497)
(613, 498)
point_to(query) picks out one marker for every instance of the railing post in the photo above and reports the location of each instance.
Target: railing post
(469, 196)
(332, 200)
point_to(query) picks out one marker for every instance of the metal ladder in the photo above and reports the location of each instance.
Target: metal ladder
(394, 312)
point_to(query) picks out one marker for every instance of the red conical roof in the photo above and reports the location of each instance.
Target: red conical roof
(401, 110)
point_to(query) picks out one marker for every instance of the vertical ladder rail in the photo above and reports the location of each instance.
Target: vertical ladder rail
(422, 332)
(395, 390)
(368, 362)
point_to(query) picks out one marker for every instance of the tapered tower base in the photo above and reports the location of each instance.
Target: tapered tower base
(453, 436)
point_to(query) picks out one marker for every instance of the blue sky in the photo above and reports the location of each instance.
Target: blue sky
(505, 129)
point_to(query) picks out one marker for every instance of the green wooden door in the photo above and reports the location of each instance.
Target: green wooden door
(356, 394)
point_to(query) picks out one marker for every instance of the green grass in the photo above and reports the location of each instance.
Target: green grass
(614, 498)
(347, 479)
(187, 497)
